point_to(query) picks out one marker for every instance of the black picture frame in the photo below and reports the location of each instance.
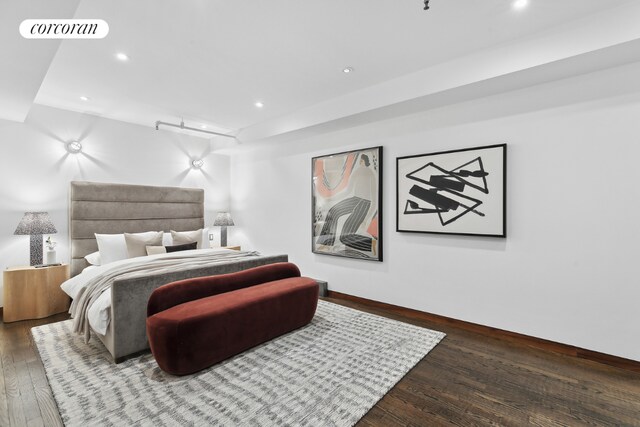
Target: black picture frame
(346, 209)
(459, 192)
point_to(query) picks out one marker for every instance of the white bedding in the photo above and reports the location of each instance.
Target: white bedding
(99, 312)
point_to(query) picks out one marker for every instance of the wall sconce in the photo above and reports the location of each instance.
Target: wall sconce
(197, 164)
(74, 147)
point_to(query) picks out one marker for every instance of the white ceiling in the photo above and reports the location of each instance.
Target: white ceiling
(210, 60)
(25, 62)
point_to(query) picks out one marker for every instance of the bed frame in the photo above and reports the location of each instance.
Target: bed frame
(120, 208)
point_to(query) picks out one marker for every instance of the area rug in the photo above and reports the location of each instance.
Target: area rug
(329, 373)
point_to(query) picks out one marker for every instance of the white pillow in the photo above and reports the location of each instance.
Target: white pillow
(181, 237)
(113, 247)
(94, 258)
(167, 240)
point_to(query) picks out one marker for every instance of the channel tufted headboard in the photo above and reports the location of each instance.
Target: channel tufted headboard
(121, 208)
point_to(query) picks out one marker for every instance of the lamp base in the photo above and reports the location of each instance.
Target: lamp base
(35, 249)
(50, 257)
(223, 236)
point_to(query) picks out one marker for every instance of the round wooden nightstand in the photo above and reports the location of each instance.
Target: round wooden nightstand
(34, 293)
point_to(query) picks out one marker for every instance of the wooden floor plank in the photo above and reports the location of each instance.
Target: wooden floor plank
(16, 410)
(4, 409)
(35, 423)
(27, 391)
(48, 407)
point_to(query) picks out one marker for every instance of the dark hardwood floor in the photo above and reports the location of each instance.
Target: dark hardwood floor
(469, 379)
(25, 396)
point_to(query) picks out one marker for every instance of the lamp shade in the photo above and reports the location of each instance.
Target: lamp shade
(223, 219)
(35, 223)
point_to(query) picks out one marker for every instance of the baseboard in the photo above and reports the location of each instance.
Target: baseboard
(539, 343)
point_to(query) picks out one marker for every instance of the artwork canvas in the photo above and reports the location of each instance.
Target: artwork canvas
(453, 192)
(347, 204)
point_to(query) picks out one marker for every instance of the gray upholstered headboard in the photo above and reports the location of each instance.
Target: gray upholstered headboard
(120, 208)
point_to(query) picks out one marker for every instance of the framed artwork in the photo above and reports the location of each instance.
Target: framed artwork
(346, 206)
(453, 192)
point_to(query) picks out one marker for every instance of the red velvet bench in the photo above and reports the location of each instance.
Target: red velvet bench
(195, 323)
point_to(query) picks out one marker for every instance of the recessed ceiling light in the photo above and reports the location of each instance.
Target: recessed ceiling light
(203, 126)
(259, 104)
(122, 56)
(520, 4)
(347, 70)
(84, 98)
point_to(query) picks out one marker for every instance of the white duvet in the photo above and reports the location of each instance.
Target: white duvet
(99, 312)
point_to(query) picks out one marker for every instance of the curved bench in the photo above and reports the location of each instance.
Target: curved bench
(195, 323)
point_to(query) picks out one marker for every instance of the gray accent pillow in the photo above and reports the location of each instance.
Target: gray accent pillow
(184, 237)
(137, 245)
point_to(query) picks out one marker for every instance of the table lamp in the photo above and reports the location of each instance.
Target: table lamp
(35, 224)
(224, 220)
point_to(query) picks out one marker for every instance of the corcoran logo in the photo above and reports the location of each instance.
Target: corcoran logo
(64, 29)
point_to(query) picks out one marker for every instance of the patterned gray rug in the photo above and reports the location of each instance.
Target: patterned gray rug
(329, 373)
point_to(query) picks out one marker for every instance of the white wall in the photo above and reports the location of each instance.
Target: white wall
(36, 169)
(567, 271)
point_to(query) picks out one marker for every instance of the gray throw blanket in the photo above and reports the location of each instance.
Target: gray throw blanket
(144, 267)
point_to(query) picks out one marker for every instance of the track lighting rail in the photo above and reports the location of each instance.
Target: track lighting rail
(182, 126)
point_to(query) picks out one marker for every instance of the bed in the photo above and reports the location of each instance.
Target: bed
(118, 208)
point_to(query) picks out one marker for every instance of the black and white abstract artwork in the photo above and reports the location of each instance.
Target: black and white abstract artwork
(453, 192)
